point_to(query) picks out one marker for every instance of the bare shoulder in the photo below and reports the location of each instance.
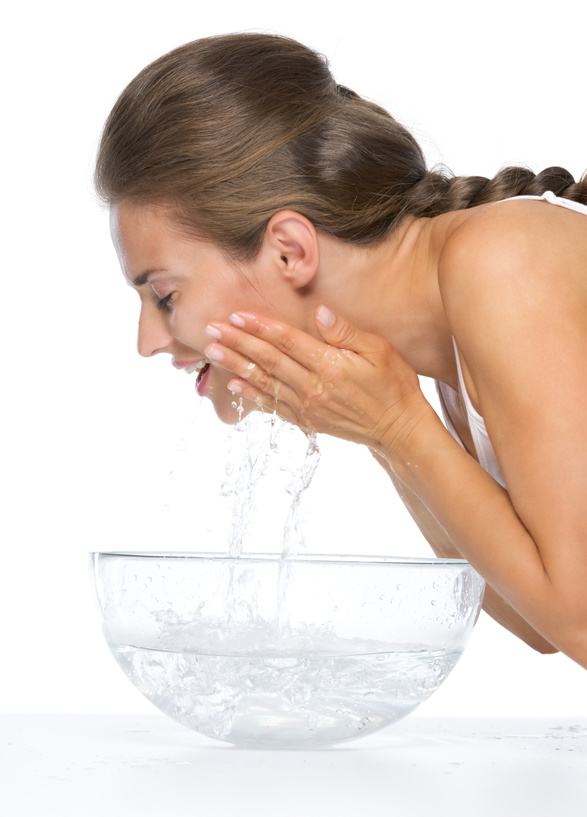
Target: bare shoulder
(512, 248)
(513, 279)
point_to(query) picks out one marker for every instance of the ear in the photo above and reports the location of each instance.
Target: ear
(292, 243)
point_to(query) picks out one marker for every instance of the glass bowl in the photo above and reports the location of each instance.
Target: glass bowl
(266, 652)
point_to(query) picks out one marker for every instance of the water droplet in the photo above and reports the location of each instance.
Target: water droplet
(240, 409)
(225, 489)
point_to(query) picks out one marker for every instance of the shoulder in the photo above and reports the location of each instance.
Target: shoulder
(513, 282)
(508, 233)
(512, 250)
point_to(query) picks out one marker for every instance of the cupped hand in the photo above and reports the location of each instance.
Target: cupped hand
(351, 384)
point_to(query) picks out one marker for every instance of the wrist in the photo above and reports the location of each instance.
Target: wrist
(415, 434)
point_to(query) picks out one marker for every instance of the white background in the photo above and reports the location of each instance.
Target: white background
(103, 450)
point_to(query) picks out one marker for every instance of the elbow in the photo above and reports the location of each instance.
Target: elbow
(545, 648)
(574, 644)
(540, 644)
(567, 634)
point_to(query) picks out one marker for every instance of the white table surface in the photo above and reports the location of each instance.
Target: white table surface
(86, 765)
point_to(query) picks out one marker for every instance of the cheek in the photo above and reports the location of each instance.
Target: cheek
(187, 327)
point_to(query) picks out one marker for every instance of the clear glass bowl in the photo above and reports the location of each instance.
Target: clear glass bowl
(271, 653)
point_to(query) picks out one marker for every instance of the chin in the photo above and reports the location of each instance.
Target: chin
(233, 411)
(230, 408)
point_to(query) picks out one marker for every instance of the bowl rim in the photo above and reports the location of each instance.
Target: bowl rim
(306, 558)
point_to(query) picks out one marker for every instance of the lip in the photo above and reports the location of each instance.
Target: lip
(202, 380)
(201, 365)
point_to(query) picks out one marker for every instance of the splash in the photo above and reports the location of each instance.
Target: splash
(257, 447)
(293, 534)
(242, 481)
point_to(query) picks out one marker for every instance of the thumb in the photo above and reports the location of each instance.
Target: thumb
(338, 332)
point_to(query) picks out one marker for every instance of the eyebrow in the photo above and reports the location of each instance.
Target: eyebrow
(143, 278)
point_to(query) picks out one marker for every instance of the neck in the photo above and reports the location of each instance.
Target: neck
(392, 290)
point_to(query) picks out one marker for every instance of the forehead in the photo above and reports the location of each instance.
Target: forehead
(131, 223)
(143, 236)
(148, 239)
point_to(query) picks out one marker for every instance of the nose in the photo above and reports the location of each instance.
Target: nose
(154, 336)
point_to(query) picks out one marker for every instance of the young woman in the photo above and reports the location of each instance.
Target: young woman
(287, 241)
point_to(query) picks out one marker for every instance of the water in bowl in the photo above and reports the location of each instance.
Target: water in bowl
(276, 700)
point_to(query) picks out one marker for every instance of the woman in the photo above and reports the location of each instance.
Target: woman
(288, 242)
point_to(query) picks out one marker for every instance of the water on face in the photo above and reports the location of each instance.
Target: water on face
(277, 700)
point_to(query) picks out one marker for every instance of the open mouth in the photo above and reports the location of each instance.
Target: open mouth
(197, 367)
(202, 378)
(201, 367)
(202, 371)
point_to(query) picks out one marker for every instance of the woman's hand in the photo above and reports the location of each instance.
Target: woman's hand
(352, 384)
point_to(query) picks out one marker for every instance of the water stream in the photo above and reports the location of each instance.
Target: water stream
(261, 455)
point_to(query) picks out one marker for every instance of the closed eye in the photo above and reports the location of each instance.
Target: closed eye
(163, 302)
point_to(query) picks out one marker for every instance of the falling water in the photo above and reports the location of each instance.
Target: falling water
(293, 535)
(253, 456)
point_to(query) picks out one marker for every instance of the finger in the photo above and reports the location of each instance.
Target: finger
(265, 402)
(252, 357)
(272, 385)
(294, 343)
(338, 332)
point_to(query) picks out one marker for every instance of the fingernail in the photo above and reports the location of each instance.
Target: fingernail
(213, 332)
(325, 316)
(213, 353)
(236, 320)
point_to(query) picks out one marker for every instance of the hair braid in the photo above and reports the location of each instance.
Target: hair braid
(439, 192)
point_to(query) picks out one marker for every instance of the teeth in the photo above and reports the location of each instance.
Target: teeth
(196, 367)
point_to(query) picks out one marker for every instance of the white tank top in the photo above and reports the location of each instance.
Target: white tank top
(449, 399)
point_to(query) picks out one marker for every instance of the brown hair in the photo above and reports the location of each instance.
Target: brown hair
(229, 130)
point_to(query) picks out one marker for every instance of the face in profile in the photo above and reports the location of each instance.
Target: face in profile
(184, 283)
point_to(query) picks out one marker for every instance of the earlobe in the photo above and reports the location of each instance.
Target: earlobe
(293, 240)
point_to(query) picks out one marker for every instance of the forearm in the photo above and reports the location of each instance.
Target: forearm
(480, 521)
(444, 548)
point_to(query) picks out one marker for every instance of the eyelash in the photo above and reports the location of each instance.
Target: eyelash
(163, 302)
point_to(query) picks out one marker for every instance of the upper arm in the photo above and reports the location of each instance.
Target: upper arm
(514, 285)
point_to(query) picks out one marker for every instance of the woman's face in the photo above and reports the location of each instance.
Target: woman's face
(184, 284)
